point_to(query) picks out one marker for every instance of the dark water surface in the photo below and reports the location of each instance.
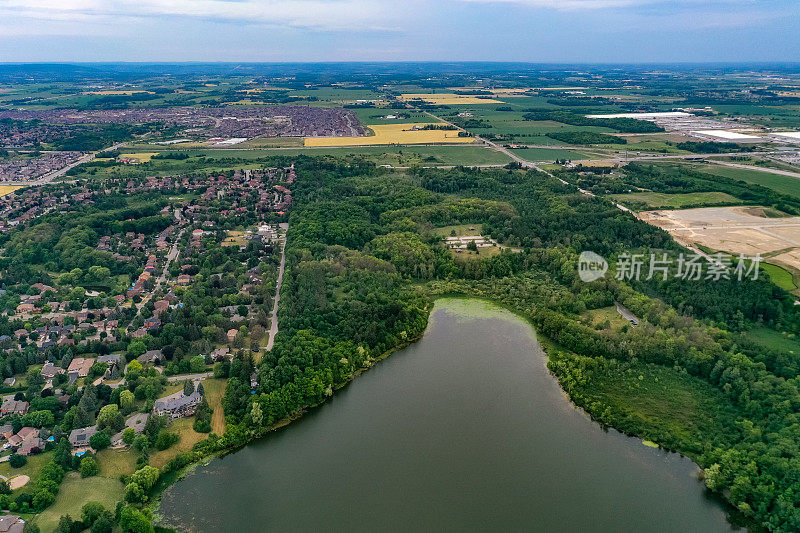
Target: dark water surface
(464, 430)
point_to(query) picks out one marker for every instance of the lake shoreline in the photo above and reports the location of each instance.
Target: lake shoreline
(545, 344)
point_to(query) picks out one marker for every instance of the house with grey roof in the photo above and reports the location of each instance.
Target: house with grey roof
(79, 438)
(178, 405)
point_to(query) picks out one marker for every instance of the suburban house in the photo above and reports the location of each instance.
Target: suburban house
(49, 370)
(11, 523)
(14, 407)
(81, 366)
(150, 356)
(79, 438)
(6, 431)
(136, 422)
(178, 405)
(31, 446)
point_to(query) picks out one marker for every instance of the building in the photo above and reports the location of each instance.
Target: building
(232, 334)
(49, 370)
(79, 438)
(178, 405)
(31, 446)
(150, 356)
(14, 407)
(81, 366)
(136, 422)
(11, 523)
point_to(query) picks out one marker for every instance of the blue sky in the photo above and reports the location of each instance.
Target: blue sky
(343, 30)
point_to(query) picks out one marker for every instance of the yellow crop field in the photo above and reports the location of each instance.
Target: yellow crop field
(128, 93)
(449, 99)
(7, 189)
(393, 134)
(142, 157)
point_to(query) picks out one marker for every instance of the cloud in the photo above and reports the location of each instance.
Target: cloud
(315, 14)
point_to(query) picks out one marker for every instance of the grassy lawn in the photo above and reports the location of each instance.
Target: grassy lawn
(74, 493)
(114, 463)
(596, 318)
(776, 182)
(31, 469)
(171, 388)
(183, 427)
(215, 390)
(459, 230)
(658, 200)
(774, 340)
(780, 276)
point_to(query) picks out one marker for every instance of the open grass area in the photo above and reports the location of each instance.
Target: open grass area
(548, 154)
(215, 390)
(183, 427)
(74, 493)
(776, 182)
(656, 403)
(775, 340)
(114, 463)
(604, 318)
(459, 230)
(657, 200)
(408, 133)
(31, 469)
(780, 276)
(449, 99)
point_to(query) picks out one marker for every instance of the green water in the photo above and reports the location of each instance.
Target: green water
(464, 430)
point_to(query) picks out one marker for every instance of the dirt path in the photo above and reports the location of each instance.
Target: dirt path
(273, 328)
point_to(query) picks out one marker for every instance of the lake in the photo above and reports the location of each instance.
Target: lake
(464, 430)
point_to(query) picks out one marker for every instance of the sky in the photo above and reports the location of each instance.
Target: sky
(550, 31)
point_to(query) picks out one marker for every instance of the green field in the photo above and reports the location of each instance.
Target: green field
(776, 182)
(74, 493)
(775, 340)
(547, 154)
(657, 200)
(780, 276)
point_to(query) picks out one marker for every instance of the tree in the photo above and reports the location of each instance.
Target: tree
(110, 417)
(65, 524)
(104, 523)
(141, 443)
(42, 499)
(62, 454)
(91, 511)
(135, 349)
(188, 387)
(100, 440)
(17, 461)
(128, 436)
(127, 401)
(197, 364)
(89, 467)
(134, 493)
(131, 520)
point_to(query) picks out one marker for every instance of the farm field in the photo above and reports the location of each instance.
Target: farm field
(449, 99)
(143, 157)
(393, 134)
(7, 189)
(656, 200)
(735, 230)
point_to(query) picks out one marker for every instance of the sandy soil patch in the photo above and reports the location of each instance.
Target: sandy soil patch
(19, 481)
(732, 229)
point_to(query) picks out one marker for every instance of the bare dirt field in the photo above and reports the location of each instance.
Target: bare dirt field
(733, 229)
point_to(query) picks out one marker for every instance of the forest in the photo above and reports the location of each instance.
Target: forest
(364, 263)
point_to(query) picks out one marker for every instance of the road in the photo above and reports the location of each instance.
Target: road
(273, 328)
(171, 255)
(193, 377)
(758, 169)
(47, 178)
